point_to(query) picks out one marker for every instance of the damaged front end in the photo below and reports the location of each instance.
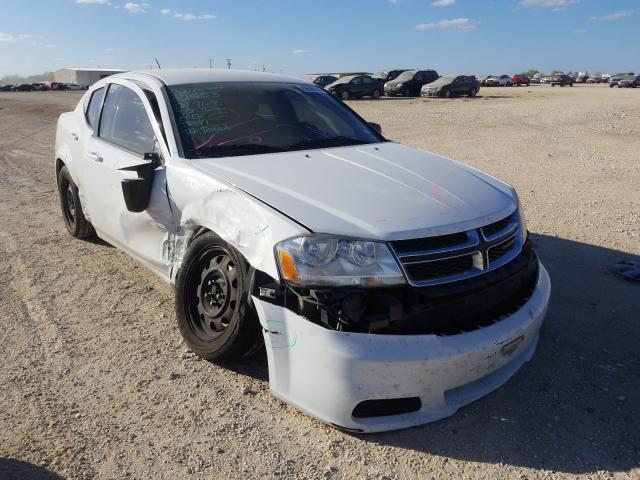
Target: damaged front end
(446, 309)
(380, 358)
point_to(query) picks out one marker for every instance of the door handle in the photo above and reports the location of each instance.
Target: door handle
(95, 156)
(75, 136)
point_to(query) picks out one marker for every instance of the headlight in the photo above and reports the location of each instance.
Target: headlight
(323, 260)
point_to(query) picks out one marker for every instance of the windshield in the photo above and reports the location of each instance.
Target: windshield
(408, 75)
(244, 118)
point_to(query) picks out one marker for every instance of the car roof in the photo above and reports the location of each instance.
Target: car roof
(181, 76)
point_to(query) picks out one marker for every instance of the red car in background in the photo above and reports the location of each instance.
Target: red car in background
(518, 80)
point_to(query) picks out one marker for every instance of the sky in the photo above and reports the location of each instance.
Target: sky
(296, 37)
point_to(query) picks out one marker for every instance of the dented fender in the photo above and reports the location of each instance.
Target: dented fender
(200, 200)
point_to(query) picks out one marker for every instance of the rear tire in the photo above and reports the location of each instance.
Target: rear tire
(473, 92)
(376, 94)
(74, 219)
(212, 309)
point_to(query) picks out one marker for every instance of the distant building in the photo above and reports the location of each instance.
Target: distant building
(83, 76)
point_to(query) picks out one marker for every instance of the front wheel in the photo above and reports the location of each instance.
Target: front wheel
(345, 95)
(212, 309)
(376, 94)
(472, 92)
(74, 219)
(446, 93)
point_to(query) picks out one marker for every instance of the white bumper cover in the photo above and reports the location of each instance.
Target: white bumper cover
(326, 373)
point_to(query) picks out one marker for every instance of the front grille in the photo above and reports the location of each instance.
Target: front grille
(498, 227)
(499, 251)
(430, 243)
(453, 257)
(425, 271)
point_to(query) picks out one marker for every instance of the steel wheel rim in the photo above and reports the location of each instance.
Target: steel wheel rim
(69, 204)
(217, 295)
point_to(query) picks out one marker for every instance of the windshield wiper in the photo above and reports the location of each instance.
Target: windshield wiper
(234, 150)
(339, 141)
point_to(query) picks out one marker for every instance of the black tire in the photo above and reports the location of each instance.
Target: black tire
(376, 94)
(446, 93)
(344, 95)
(472, 92)
(212, 309)
(406, 92)
(74, 219)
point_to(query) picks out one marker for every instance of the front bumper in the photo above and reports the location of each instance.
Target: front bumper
(327, 373)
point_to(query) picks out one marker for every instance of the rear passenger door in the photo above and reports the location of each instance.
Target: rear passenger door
(127, 130)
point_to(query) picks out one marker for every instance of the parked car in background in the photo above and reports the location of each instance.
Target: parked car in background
(385, 76)
(629, 82)
(546, 79)
(582, 77)
(597, 79)
(561, 80)
(41, 86)
(6, 87)
(613, 81)
(520, 79)
(450, 86)
(355, 86)
(482, 79)
(324, 80)
(23, 87)
(501, 81)
(58, 86)
(268, 230)
(409, 83)
(75, 86)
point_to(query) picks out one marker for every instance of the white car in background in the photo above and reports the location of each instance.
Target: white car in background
(498, 81)
(390, 286)
(75, 86)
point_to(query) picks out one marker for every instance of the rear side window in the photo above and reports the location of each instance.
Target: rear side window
(95, 104)
(125, 121)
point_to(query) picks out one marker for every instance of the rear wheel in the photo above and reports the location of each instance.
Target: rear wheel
(212, 309)
(472, 92)
(376, 94)
(74, 219)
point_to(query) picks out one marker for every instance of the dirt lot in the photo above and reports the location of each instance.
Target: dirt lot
(96, 383)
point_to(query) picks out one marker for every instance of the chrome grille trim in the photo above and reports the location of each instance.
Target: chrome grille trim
(479, 248)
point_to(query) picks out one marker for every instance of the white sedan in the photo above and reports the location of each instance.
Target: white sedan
(389, 285)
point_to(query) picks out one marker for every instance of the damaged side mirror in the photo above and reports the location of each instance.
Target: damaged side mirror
(137, 191)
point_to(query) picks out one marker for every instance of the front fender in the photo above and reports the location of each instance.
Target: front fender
(250, 226)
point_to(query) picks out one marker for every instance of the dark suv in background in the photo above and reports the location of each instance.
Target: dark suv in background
(561, 80)
(355, 86)
(324, 80)
(385, 76)
(410, 83)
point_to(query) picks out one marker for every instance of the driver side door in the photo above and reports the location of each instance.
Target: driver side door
(124, 135)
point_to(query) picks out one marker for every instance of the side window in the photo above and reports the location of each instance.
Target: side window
(93, 111)
(125, 121)
(357, 81)
(366, 80)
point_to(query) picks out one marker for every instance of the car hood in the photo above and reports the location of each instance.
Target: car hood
(384, 191)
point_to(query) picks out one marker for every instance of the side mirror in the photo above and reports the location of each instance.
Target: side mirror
(376, 127)
(137, 191)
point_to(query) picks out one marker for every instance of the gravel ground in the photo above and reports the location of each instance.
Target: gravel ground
(96, 383)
